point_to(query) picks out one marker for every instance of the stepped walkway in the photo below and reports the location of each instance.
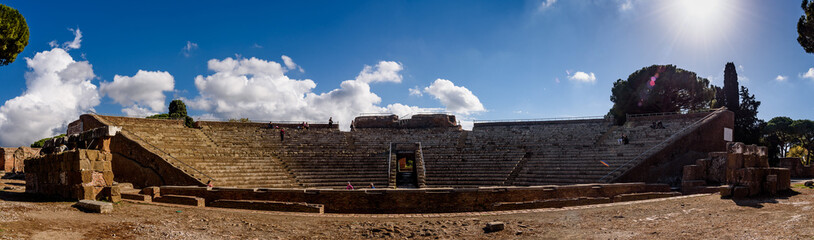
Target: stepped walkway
(492, 154)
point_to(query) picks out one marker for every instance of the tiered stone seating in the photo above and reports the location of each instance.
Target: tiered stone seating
(229, 165)
(574, 162)
(492, 154)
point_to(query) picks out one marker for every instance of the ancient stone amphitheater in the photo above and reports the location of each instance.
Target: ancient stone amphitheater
(426, 151)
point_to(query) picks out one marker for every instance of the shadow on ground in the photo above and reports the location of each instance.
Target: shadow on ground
(15, 196)
(758, 201)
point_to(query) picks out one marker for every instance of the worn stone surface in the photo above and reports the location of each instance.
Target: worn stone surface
(70, 175)
(95, 206)
(495, 226)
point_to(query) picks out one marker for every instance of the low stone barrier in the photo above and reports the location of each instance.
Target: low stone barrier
(76, 174)
(429, 200)
(743, 168)
(269, 206)
(178, 199)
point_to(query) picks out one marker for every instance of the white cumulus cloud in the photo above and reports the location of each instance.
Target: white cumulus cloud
(187, 49)
(290, 64)
(780, 78)
(260, 90)
(384, 71)
(583, 77)
(145, 89)
(456, 99)
(546, 4)
(58, 90)
(809, 74)
(415, 91)
(625, 5)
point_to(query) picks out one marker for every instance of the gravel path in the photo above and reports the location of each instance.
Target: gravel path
(688, 217)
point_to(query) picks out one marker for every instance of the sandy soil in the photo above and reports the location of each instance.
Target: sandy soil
(690, 217)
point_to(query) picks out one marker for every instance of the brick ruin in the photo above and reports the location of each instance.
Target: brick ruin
(78, 167)
(76, 174)
(13, 159)
(797, 168)
(742, 169)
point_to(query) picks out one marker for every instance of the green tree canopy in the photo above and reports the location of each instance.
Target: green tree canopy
(747, 126)
(178, 109)
(660, 88)
(804, 129)
(805, 27)
(780, 135)
(41, 142)
(13, 34)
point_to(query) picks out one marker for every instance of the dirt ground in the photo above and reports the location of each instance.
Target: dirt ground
(688, 217)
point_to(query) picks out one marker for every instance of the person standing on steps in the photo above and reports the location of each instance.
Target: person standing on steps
(330, 122)
(282, 134)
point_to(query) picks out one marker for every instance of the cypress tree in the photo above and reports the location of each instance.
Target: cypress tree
(731, 87)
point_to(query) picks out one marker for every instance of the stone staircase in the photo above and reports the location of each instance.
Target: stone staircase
(230, 164)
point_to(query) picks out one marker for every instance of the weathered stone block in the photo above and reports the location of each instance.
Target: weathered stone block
(108, 177)
(750, 160)
(270, 205)
(495, 226)
(81, 165)
(79, 177)
(726, 191)
(737, 147)
(84, 192)
(762, 151)
(740, 192)
(95, 206)
(183, 200)
(692, 172)
(770, 185)
(703, 164)
(689, 186)
(734, 161)
(783, 178)
(137, 197)
(762, 161)
(751, 149)
(154, 192)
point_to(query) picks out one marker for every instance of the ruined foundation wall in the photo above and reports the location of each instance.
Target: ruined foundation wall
(77, 174)
(13, 159)
(432, 200)
(7, 159)
(796, 167)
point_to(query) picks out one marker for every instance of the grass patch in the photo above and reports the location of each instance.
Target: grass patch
(799, 185)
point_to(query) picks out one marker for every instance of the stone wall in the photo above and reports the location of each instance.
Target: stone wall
(416, 121)
(77, 174)
(431, 200)
(13, 158)
(7, 159)
(744, 168)
(683, 150)
(135, 163)
(796, 167)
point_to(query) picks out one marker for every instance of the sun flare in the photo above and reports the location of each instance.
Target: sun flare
(701, 23)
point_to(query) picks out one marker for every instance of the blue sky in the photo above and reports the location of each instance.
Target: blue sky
(477, 59)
